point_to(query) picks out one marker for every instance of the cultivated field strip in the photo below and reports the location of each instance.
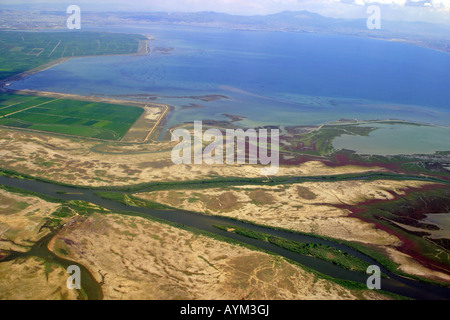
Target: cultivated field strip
(81, 118)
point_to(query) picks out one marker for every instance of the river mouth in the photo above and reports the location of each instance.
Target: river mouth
(394, 283)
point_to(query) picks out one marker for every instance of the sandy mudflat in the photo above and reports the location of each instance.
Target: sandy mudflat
(31, 279)
(21, 219)
(140, 259)
(309, 207)
(86, 162)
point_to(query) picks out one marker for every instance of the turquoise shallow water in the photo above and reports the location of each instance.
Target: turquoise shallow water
(395, 139)
(272, 78)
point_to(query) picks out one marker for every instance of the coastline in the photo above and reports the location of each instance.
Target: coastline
(142, 50)
(25, 74)
(71, 96)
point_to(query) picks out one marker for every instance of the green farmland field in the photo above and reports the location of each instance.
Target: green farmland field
(80, 118)
(22, 51)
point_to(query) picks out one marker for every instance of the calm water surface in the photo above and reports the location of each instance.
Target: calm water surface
(271, 78)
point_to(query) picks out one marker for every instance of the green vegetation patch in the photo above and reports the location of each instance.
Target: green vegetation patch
(76, 207)
(130, 200)
(320, 142)
(80, 118)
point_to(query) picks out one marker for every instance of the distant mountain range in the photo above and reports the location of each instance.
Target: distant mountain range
(436, 36)
(289, 21)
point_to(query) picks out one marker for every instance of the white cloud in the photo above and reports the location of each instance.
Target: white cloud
(438, 4)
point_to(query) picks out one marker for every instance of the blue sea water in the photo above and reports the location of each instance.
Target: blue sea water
(272, 78)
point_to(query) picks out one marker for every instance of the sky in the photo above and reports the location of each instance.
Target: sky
(411, 10)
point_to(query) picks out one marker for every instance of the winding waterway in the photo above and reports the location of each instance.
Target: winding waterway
(394, 283)
(40, 250)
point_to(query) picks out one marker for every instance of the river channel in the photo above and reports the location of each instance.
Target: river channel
(393, 283)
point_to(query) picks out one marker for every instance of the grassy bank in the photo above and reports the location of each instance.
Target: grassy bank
(215, 182)
(319, 251)
(371, 251)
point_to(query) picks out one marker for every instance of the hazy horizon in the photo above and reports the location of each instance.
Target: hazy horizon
(396, 10)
